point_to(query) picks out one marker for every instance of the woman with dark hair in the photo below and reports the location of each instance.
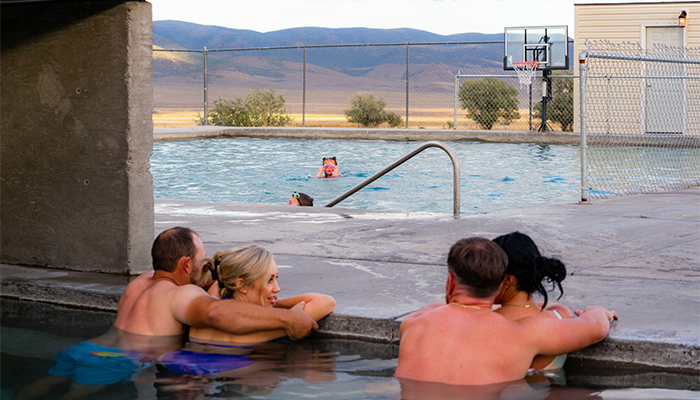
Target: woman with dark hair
(526, 271)
(300, 199)
(328, 168)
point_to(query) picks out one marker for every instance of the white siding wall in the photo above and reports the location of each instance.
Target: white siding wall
(626, 22)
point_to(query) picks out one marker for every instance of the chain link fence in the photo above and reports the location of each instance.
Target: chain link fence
(640, 116)
(415, 80)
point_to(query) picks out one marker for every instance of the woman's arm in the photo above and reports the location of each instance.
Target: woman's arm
(317, 305)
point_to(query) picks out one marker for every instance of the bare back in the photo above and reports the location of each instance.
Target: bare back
(462, 347)
(153, 307)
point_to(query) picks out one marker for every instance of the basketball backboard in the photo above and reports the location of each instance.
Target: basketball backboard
(548, 45)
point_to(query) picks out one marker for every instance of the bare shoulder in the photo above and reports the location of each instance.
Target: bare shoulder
(561, 309)
(188, 293)
(141, 282)
(425, 313)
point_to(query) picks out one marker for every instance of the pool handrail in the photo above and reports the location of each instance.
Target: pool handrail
(433, 143)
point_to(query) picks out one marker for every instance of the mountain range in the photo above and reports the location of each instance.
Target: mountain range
(382, 60)
(186, 35)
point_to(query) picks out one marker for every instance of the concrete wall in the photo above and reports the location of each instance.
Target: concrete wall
(76, 135)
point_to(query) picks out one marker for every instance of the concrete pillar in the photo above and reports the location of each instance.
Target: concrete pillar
(76, 135)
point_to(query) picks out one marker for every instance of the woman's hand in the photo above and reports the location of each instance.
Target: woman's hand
(611, 314)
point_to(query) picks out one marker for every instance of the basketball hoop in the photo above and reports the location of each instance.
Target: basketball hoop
(526, 71)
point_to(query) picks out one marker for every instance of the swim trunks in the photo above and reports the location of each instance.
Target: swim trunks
(91, 364)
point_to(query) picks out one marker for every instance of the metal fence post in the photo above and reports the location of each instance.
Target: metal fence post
(406, 85)
(583, 73)
(530, 105)
(206, 97)
(303, 94)
(454, 123)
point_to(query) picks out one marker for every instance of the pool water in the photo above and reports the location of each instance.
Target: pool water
(494, 176)
(315, 368)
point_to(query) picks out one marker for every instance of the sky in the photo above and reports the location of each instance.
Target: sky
(444, 17)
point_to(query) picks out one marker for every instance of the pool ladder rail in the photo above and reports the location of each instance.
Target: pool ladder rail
(443, 146)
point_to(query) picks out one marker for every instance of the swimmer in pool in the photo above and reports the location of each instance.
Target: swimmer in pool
(300, 199)
(329, 169)
(249, 274)
(524, 275)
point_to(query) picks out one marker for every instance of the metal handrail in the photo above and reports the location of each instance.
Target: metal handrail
(443, 146)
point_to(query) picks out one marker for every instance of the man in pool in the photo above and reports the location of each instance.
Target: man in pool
(165, 301)
(460, 341)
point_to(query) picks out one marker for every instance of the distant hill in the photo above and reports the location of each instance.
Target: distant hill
(329, 64)
(191, 36)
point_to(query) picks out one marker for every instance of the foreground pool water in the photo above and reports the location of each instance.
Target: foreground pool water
(494, 176)
(316, 368)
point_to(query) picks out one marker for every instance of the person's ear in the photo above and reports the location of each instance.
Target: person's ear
(184, 264)
(450, 287)
(509, 280)
(239, 282)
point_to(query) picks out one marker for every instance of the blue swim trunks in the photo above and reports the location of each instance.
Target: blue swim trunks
(193, 363)
(90, 364)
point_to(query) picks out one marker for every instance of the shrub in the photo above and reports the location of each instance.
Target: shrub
(260, 108)
(560, 108)
(368, 111)
(489, 100)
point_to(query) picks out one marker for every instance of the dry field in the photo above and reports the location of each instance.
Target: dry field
(182, 104)
(432, 119)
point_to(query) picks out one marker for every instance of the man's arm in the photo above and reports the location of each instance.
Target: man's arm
(192, 306)
(553, 337)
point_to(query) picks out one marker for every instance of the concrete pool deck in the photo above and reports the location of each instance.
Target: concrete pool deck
(639, 255)
(502, 136)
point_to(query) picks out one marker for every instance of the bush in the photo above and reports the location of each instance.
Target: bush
(368, 111)
(489, 100)
(560, 108)
(260, 108)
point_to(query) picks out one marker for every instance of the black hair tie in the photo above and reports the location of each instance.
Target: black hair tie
(215, 270)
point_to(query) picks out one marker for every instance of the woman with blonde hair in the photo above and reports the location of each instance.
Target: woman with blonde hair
(249, 274)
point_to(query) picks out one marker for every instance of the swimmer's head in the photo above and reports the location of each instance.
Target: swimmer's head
(329, 161)
(300, 199)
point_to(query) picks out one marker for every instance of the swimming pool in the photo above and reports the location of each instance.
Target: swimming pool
(33, 333)
(494, 176)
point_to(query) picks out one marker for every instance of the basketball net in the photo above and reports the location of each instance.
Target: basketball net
(526, 71)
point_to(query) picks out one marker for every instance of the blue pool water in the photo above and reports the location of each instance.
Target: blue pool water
(33, 333)
(494, 176)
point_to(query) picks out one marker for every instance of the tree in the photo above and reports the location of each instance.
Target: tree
(560, 108)
(489, 100)
(260, 108)
(368, 111)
